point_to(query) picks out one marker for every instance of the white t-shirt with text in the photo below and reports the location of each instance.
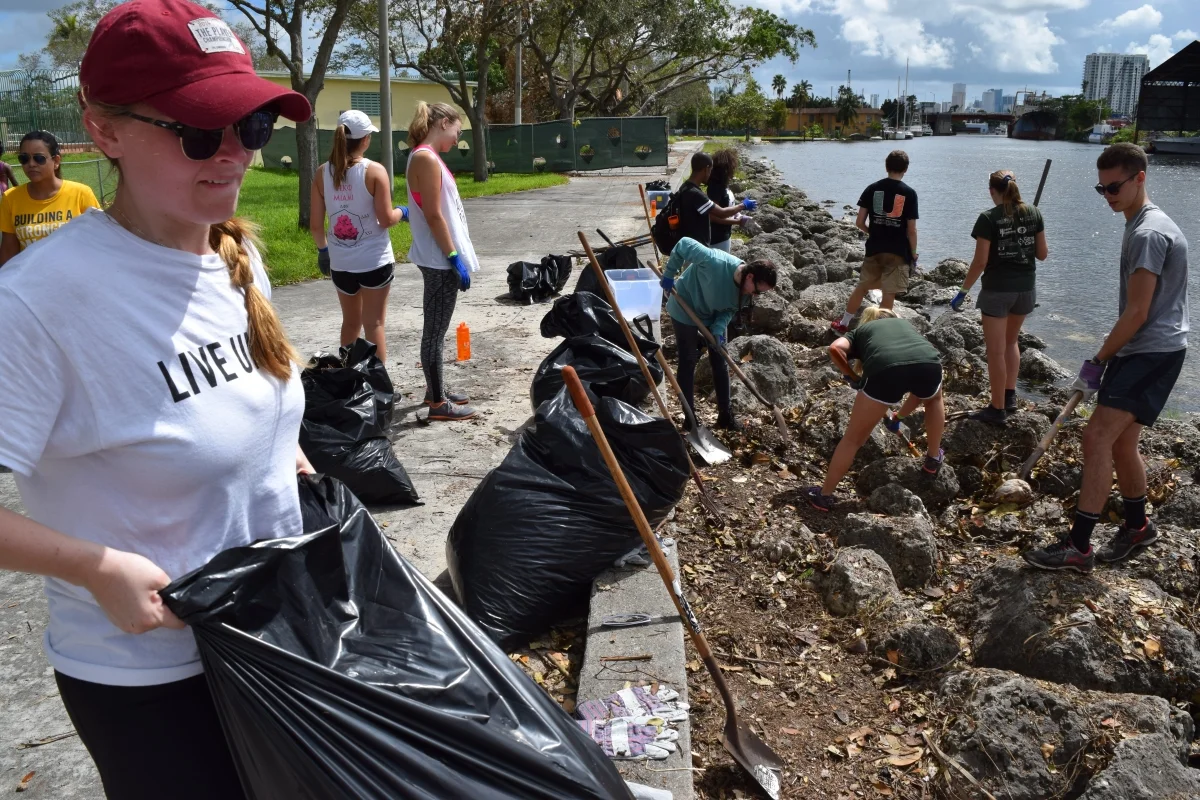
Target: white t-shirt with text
(133, 416)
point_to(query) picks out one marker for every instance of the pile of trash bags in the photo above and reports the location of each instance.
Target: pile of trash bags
(596, 347)
(525, 548)
(348, 406)
(339, 671)
(534, 283)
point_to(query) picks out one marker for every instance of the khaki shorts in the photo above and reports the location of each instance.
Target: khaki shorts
(885, 271)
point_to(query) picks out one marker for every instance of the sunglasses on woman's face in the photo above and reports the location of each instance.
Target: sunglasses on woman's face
(38, 158)
(1114, 187)
(200, 144)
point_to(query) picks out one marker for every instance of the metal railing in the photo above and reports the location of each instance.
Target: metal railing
(43, 99)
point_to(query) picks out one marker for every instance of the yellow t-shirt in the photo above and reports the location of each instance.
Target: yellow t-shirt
(32, 219)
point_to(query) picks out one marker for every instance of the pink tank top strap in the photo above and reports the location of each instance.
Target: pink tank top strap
(417, 195)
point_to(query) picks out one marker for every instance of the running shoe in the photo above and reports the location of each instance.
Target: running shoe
(1060, 556)
(1010, 401)
(451, 412)
(837, 327)
(991, 415)
(1128, 542)
(821, 502)
(458, 398)
(934, 465)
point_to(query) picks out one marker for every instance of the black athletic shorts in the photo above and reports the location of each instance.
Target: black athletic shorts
(890, 385)
(1140, 383)
(350, 282)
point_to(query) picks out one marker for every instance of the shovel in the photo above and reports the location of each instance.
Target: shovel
(755, 756)
(1040, 450)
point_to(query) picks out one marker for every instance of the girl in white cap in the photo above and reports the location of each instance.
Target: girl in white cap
(151, 401)
(355, 195)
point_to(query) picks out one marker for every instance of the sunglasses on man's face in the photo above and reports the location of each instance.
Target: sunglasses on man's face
(1114, 187)
(38, 158)
(200, 144)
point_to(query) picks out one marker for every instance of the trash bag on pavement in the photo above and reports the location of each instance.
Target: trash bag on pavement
(344, 434)
(525, 548)
(533, 283)
(620, 257)
(339, 671)
(582, 313)
(611, 370)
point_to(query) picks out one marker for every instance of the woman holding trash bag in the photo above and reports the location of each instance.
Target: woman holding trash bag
(355, 195)
(1009, 241)
(44, 204)
(441, 246)
(713, 287)
(896, 361)
(151, 415)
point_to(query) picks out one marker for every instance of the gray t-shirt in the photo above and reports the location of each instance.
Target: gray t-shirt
(1153, 242)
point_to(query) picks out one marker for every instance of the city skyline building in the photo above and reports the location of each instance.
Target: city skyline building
(990, 100)
(1115, 78)
(958, 97)
(875, 101)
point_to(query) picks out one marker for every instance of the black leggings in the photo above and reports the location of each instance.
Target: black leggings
(441, 293)
(687, 342)
(152, 742)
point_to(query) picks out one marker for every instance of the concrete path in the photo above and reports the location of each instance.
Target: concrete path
(445, 460)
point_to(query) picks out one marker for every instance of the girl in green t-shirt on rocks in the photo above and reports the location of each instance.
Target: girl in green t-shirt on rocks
(1009, 241)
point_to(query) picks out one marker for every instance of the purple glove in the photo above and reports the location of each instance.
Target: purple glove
(1089, 378)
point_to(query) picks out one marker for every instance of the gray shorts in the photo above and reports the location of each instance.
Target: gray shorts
(1001, 304)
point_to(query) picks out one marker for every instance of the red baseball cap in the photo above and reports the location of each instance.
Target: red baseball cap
(184, 61)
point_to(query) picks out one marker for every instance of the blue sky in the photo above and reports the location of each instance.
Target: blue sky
(1005, 44)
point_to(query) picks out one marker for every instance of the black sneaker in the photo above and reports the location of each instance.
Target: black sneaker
(821, 502)
(727, 421)
(991, 415)
(933, 465)
(1128, 542)
(1010, 401)
(1061, 555)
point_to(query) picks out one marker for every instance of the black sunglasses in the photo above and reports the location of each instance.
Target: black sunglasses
(1113, 187)
(38, 158)
(200, 144)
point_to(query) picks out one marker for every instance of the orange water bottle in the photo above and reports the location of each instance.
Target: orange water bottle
(654, 207)
(464, 342)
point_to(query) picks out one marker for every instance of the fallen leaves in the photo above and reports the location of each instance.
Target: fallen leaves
(1152, 647)
(24, 784)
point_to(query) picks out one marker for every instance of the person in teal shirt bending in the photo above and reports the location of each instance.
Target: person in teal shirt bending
(712, 285)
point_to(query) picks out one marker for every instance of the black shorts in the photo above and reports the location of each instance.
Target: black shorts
(923, 381)
(350, 282)
(1141, 383)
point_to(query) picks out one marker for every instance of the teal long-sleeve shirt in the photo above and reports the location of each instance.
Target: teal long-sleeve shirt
(707, 286)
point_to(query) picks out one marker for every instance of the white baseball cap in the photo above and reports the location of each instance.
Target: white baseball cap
(357, 123)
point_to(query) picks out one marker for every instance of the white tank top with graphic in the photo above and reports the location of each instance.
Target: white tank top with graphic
(425, 251)
(357, 242)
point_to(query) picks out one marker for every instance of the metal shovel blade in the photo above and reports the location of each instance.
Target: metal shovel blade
(707, 446)
(755, 756)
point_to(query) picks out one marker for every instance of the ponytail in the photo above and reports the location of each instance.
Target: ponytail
(339, 156)
(269, 345)
(1003, 183)
(427, 115)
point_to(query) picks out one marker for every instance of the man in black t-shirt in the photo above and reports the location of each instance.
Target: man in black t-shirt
(696, 210)
(887, 213)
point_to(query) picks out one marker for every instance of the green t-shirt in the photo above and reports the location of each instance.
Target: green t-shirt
(889, 342)
(1011, 260)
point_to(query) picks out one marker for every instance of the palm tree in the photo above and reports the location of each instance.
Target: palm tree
(67, 27)
(847, 106)
(779, 84)
(801, 92)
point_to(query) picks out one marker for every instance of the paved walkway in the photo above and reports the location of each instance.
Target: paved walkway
(446, 461)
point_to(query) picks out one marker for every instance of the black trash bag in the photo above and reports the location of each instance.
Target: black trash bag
(536, 532)
(611, 370)
(339, 671)
(582, 313)
(342, 433)
(619, 257)
(661, 185)
(534, 283)
(357, 357)
(558, 270)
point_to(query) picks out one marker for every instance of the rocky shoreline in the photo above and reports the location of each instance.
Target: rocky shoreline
(1034, 684)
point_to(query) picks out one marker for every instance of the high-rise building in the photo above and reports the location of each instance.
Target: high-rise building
(991, 99)
(959, 96)
(874, 101)
(1007, 103)
(997, 100)
(1115, 78)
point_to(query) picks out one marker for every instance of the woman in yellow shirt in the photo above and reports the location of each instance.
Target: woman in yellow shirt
(33, 211)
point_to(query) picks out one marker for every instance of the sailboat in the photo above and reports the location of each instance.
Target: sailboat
(899, 131)
(916, 128)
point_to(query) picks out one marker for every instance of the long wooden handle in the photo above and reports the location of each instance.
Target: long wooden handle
(584, 404)
(688, 413)
(1044, 444)
(1042, 183)
(649, 223)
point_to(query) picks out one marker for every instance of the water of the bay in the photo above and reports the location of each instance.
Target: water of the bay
(1077, 285)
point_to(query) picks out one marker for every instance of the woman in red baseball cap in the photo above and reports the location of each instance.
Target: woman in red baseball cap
(150, 398)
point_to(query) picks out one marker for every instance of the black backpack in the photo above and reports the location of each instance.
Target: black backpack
(664, 236)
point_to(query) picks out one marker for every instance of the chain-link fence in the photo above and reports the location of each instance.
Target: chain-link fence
(96, 173)
(43, 100)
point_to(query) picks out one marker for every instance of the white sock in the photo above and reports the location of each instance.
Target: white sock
(846, 318)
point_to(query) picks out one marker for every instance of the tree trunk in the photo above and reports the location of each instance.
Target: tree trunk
(307, 159)
(478, 123)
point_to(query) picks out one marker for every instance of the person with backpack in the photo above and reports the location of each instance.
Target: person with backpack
(714, 287)
(896, 361)
(151, 399)
(355, 195)
(887, 213)
(1133, 372)
(1009, 241)
(690, 212)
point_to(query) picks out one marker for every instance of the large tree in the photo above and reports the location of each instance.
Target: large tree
(801, 92)
(848, 104)
(281, 25)
(750, 109)
(779, 84)
(621, 58)
(455, 43)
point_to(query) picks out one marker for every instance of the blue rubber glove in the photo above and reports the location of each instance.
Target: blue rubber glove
(891, 422)
(403, 213)
(464, 272)
(667, 284)
(721, 339)
(1089, 378)
(749, 204)
(958, 300)
(323, 260)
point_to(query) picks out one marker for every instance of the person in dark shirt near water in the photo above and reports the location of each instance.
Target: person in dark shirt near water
(1009, 241)
(887, 213)
(696, 211)
(725, 165)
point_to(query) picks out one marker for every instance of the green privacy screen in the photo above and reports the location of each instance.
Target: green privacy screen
(558, 146)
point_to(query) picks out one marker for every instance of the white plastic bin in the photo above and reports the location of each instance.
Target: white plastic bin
(637, 292)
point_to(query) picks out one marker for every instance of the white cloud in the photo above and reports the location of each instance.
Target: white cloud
(1158, 48)
(1145, 17)
(1186, 36)
(874, 28)
(1018, 42)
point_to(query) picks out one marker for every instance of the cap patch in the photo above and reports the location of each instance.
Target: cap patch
(214, 36)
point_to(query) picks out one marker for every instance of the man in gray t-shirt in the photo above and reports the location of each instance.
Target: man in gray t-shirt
(1134, 371)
